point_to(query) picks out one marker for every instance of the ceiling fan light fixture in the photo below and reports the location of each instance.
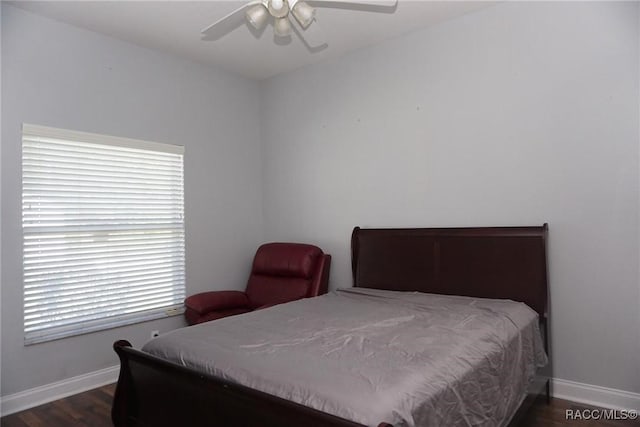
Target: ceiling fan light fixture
(303, 13)
(282, 27)
(278, 8)
(257, 16)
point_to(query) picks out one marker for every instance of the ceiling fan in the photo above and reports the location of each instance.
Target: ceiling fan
(289, 16)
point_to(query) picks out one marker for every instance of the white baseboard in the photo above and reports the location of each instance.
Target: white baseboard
(595, 395)
(562, 389)
(54, 391)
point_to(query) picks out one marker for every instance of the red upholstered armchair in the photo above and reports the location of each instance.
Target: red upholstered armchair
(281, 272)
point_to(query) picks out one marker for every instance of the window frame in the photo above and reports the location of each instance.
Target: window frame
(31, 133)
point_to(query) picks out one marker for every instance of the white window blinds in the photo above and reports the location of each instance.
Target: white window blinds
(103, 229)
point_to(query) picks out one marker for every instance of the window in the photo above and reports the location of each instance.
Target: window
(103, 229)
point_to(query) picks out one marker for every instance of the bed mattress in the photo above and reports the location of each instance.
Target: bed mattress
(406, 358)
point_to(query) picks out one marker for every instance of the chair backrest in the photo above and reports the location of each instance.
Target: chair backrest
(285, 272)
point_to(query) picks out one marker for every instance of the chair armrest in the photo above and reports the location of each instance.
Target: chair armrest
(216, 300)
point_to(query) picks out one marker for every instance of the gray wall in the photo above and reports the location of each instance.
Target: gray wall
(0, 200)
(57, 75)
(514, 115)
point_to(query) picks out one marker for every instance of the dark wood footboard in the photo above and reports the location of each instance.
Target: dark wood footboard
(153, 392)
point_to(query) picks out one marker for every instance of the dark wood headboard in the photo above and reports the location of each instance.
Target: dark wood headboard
(486, 262)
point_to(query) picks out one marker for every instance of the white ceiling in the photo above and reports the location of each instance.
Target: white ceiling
(174, 26)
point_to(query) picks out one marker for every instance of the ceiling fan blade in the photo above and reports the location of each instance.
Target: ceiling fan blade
(227, 24)
(312, 38)
(380, 6)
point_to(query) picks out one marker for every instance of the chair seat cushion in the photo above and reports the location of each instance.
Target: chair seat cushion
(217, 300)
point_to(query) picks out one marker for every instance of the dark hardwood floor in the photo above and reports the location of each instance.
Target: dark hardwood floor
(88, 409)
(92, 409)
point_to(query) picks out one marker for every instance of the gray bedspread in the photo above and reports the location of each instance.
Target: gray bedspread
(407, 358)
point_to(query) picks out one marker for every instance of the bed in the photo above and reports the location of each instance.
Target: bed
(480, 267)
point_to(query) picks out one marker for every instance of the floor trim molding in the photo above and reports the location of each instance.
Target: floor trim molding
(562, 389)
(595, 395)
(47, 393)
